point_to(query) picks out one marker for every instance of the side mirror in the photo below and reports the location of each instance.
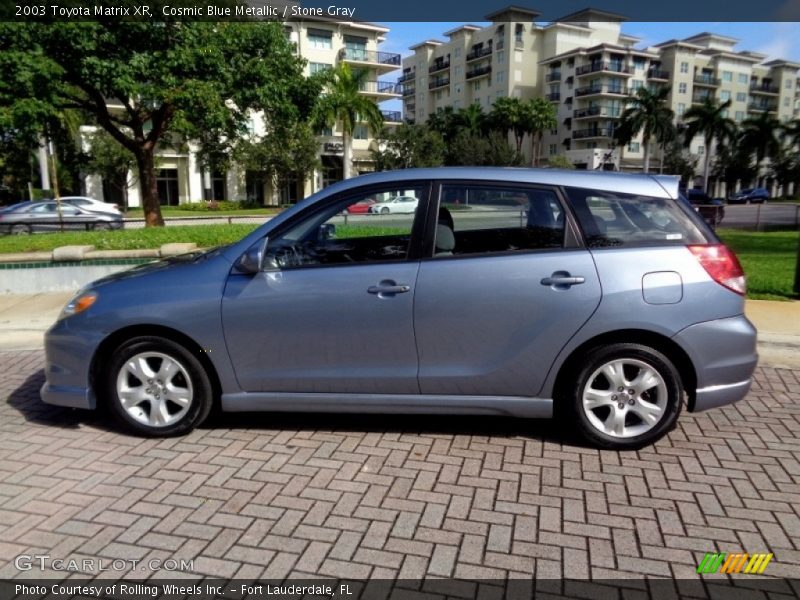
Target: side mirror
(327, 231)
(252, 261)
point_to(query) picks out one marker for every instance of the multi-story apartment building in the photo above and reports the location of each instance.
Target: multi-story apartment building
(323, 43)
(586, 66)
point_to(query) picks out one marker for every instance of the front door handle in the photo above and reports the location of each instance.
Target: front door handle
(388, 288)
(562, 280)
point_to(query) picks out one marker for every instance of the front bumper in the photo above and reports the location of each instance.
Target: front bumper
(68, 359)
(724, 355)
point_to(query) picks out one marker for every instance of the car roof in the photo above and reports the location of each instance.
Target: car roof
(660, 186)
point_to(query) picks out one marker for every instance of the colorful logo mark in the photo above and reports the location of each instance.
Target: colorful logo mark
(719, 562)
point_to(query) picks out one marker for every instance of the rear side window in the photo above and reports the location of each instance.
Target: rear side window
(613, 219)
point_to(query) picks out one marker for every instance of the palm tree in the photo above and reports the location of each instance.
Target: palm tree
(343, 102)
(538, 115)
(445, 121)
(646, 112)
(507, 115)
(472, 119)
(760, 137)
(709, 120)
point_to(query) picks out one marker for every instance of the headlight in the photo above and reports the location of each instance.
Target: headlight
(81, 302)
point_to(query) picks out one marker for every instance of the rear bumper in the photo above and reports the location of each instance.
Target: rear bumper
(724, 355)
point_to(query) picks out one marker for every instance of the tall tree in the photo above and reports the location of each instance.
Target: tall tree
(407, 146)
(472, 119)
(446, 122)
(759, 136)
(508, 115)
(646, 112)
(710, 121)
(538, 115)
(143, 82)
(342, 102)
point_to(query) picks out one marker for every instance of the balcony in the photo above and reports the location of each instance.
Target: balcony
(701, 98)
(479, 72)
(595, 132)
(440, 65)
(382, 89)
(409, 90)
(765, 88)
(392, 116)
(598, 111)
(383, 61)
(553, 76)
(439, 82)
(407, 76)
(707, 80)
(479, 53)
(593, 90)
(554, 96)
(762, 107)
(658, 74)
(603, 67)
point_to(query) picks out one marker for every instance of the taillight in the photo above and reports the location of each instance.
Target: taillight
(721, 264)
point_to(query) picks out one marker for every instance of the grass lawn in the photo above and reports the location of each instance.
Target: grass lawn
(768, 259)
(173, 212)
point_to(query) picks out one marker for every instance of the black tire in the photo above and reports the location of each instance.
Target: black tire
(20, 229)
(101, 226)
(384, 211)
(669, 397)
(200, 399)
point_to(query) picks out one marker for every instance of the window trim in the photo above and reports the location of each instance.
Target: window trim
(417, 227)
(572, 239)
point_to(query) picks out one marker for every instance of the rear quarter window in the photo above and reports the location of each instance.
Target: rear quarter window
(611, 219)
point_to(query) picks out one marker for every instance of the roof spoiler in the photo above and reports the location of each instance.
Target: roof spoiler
(669, 183)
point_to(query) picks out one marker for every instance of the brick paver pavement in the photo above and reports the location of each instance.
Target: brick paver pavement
(384, 497)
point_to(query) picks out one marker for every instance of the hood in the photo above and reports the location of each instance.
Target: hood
(159, 266)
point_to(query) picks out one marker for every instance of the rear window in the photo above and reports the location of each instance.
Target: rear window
(612, 219)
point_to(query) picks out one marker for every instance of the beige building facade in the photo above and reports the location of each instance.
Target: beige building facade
(586, 66)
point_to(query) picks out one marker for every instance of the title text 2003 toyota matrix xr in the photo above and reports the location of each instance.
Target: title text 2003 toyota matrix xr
(598, 297)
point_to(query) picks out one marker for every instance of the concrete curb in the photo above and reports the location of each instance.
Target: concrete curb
(79, 253)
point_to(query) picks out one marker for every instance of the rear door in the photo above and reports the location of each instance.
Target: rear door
(492, 313)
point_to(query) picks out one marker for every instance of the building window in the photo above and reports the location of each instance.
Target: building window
(743, 77)
(553, 149)
(501, 93)
(786, 101)
(739, 115)
(326, 131)
(681, 88)
(554, 132)
(638, 63)
(684, 67)
(518, 30)
(701, 149)
(501, 77)
(360, 132)
(727, 76)
(636, 84)
(318, 67)
(681, 108)
(501, 56)
(741, 97)
(476, 86)
(458, 89)
(724, 113)
(633, 147)
(457, 72)
(458, 53)
(724, 95)
(788, 84)
(320, 39)
(457, 104)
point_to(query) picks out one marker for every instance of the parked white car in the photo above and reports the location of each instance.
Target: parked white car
(398, 204)
(91, 204)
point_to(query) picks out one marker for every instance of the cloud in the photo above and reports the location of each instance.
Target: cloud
(783, 40)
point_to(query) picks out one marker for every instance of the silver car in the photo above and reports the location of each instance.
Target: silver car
(45, 216)
(599, 298)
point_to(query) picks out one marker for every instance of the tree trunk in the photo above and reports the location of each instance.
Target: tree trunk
(347, 159)
(145, 160)
(706, 164)
(646, 142)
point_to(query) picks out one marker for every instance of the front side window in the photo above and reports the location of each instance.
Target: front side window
(612, 219)
(363, 228)
(484, 219)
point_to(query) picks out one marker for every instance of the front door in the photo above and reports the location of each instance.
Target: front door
(497, 303)
(332, 311)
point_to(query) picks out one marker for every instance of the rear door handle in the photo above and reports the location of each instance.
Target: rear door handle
(562, 280)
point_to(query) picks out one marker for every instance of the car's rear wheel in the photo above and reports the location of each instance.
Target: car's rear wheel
(385, 210)
(625, 396)
(157, 388)
(20, 229)
(101, 226)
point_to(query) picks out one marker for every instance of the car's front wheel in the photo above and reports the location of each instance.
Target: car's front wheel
(157, 388)
(385, 210)
(625, 396)
(20, 229)
(101, 226)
